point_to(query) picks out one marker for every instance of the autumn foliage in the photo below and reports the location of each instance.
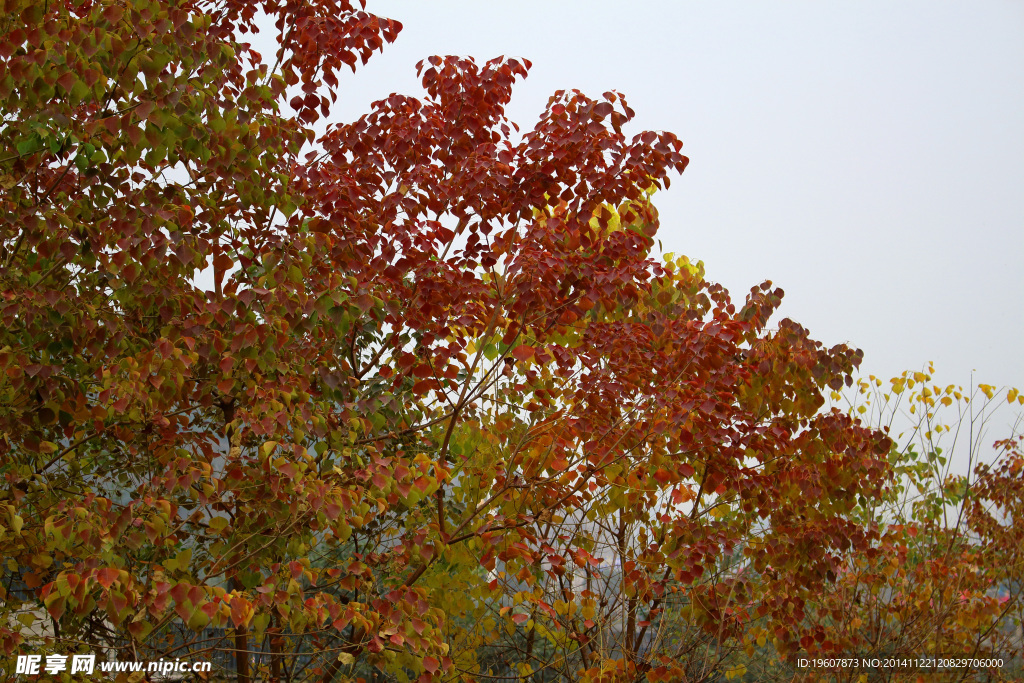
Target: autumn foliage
(413, 398)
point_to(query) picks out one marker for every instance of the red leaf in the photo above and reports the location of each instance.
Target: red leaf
(113, 13)
(134, 134)
(223, 262)
(364, 302)
(523, 352)
(180, 591)
(430, 664)
(107, 576)
(423, 386)
(145, 109)
(67, 80)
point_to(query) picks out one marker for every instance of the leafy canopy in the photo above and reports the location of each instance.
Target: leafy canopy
(439, 413)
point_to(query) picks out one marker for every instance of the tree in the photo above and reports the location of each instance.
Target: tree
(433, 355)
(943, 578)
(142, 142)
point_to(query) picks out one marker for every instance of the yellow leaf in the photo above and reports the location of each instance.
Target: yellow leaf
(735, 672)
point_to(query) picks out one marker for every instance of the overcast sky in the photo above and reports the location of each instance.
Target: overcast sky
(867, 157)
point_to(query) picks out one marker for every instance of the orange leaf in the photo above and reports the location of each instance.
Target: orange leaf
(106, 576)
(523, 352)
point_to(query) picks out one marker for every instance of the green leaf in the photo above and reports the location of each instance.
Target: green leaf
(80, 92)
(31, 145)
(198, 620)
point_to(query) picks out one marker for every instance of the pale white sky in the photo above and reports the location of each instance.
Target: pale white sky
(868, 156)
